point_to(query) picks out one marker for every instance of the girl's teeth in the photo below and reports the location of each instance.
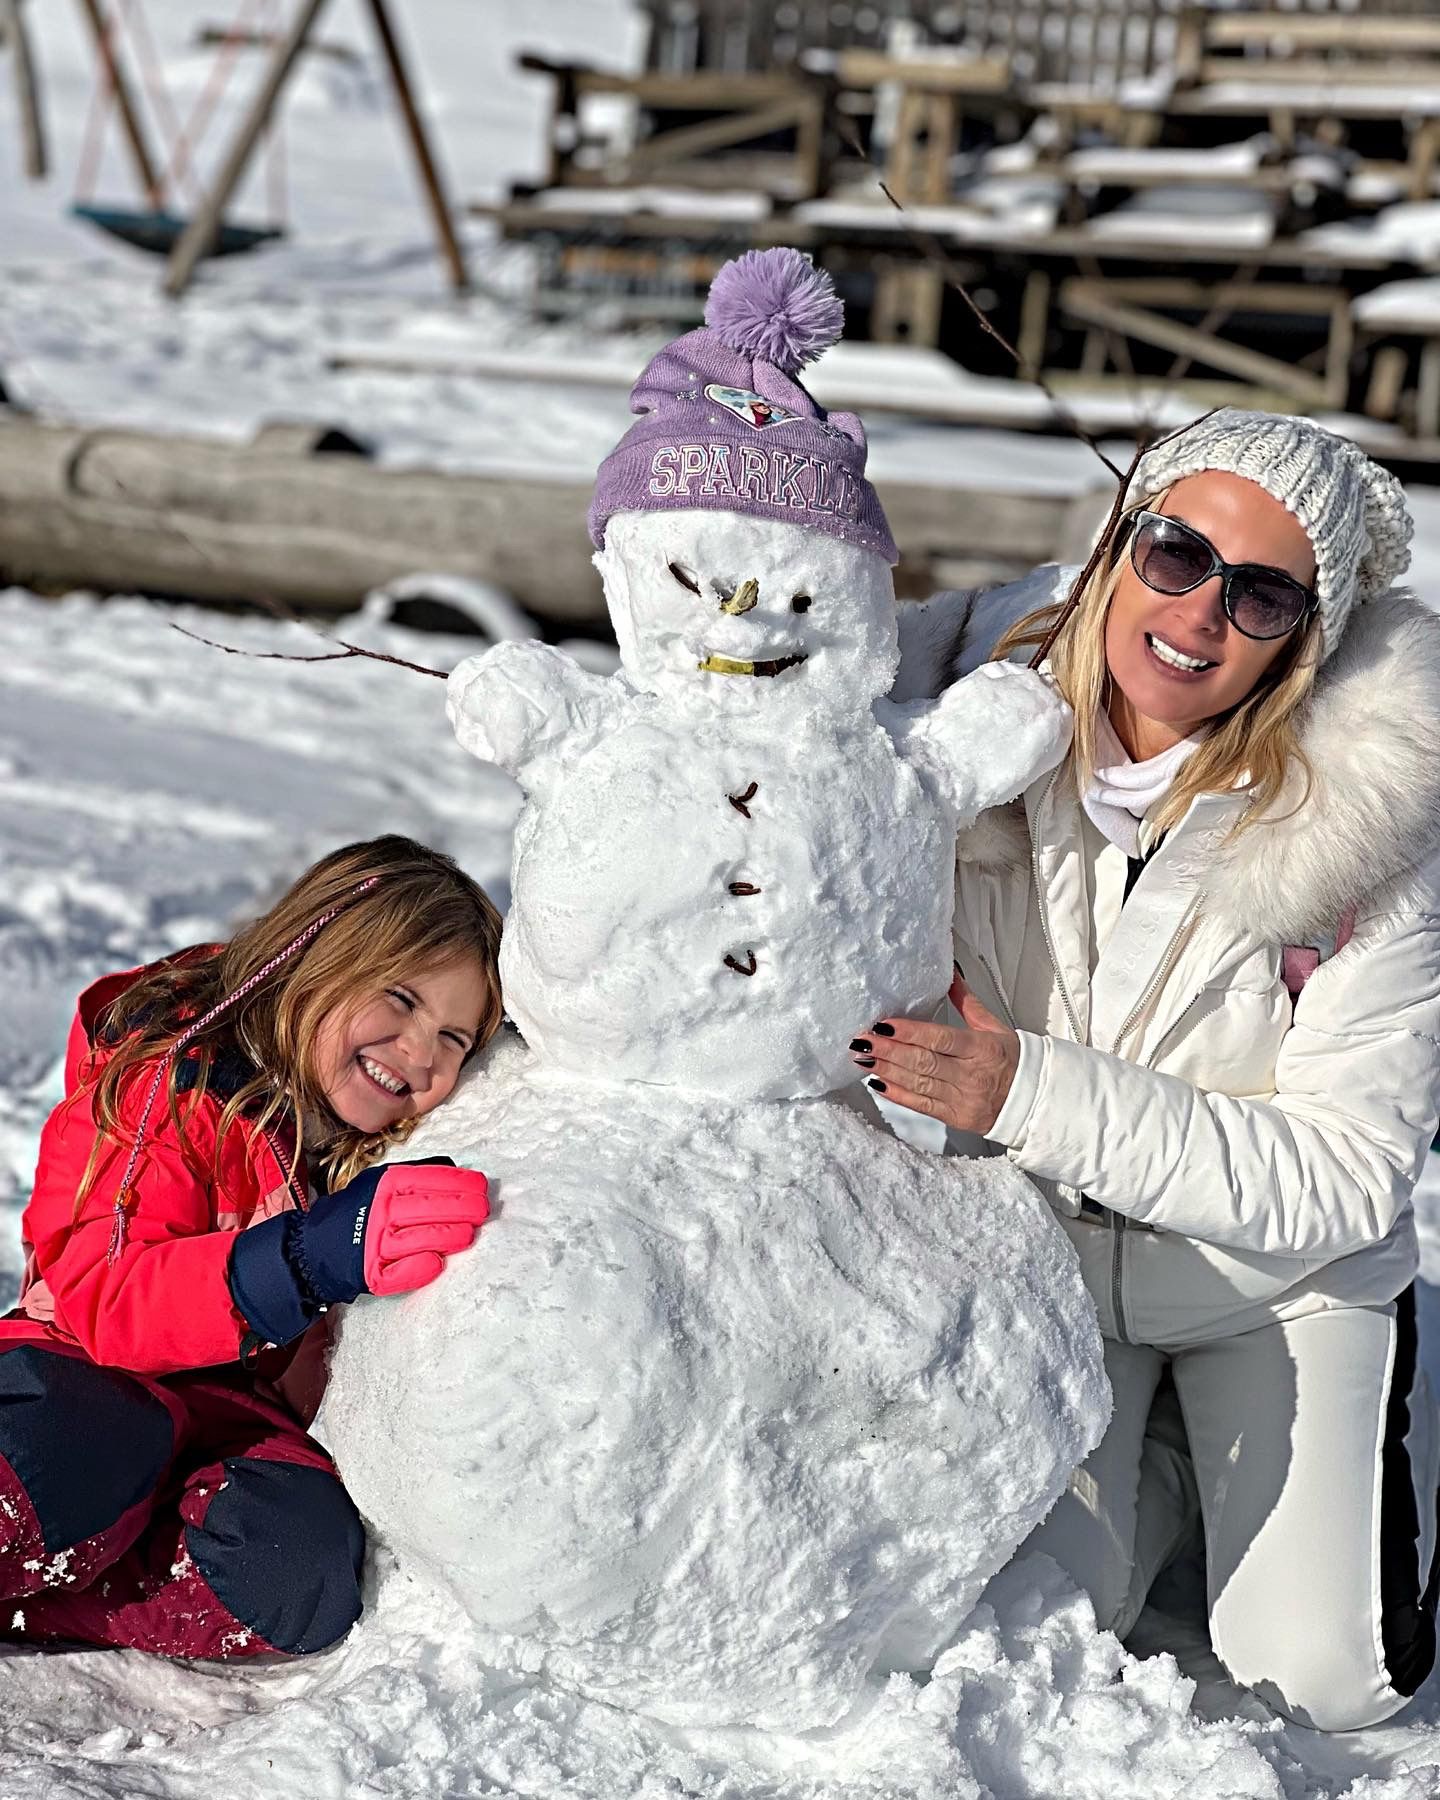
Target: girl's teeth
(376, 1073)
(1177, 658)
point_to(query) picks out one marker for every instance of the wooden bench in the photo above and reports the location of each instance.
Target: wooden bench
(1329, 71)
(1307, 47)
(706, 129)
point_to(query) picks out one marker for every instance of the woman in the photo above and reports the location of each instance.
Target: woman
(1255, 771)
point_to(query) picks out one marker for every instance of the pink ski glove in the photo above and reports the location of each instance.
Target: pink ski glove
(421, 1214)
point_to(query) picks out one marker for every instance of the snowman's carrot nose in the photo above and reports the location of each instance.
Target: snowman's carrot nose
(745, 597)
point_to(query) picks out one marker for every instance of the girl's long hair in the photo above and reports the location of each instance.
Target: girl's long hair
(1254, 746)
(421, 910)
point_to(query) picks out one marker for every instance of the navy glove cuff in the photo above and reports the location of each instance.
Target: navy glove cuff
(268, 1293)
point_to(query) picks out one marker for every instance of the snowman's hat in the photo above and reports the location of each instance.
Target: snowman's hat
(725, 426)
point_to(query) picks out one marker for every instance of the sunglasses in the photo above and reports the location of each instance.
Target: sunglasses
(1171, 557)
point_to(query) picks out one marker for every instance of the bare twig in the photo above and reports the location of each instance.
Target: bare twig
(343, 654)
(934, 252)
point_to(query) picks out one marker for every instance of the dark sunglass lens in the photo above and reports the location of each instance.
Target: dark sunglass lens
(1267, 606)
(1170, 560)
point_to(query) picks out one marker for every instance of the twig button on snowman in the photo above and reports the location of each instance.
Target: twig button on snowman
(735, 852)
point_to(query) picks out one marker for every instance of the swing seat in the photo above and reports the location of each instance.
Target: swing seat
(159, 232)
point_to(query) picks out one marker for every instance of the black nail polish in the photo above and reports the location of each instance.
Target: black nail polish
(883, 1030)
(879, 1086)
(861, 1044)
(865, 1062)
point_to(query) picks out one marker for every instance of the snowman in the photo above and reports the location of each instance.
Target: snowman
(736, 853)
(739, 1400)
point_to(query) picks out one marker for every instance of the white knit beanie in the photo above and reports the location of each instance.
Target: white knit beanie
(1353, 511)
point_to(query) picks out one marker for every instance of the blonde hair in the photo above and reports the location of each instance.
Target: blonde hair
(421, 910)
(1255, 746)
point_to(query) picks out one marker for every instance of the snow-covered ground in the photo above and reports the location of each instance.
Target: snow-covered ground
(152, 790)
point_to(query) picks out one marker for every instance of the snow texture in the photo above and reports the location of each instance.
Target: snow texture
(732, 1407)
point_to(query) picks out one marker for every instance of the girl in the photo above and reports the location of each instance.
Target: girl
(1255, 773)
(200, 1201)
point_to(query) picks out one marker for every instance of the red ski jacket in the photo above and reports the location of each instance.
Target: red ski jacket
(164, 1305)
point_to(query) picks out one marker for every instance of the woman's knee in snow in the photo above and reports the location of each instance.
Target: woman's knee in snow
(1328, 1680)
(281, 1546)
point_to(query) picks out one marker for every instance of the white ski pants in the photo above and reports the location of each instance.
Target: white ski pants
(1309, 1450)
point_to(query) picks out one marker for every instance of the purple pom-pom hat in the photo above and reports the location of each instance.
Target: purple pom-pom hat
(725, 426)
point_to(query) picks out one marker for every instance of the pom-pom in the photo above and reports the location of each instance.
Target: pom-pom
(775, 304)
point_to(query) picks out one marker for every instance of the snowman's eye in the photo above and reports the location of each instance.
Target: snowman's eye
(684, 576)
(800, 603)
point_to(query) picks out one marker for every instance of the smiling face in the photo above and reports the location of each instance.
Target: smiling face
(723, 610)
(399, 1055)
(1175, 660)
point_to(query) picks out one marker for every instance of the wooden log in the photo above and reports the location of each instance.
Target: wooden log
(274, 520)
(122, 510)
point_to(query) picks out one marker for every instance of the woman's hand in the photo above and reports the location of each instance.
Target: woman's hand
(961, 1075)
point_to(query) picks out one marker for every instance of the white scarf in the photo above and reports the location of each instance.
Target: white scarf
(1121, 792)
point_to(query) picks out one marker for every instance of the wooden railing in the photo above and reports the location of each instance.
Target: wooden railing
(1097, 41)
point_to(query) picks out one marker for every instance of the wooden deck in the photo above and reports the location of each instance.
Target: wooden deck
(1298, 121)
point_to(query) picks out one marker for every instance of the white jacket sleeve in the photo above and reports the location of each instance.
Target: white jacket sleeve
(1322, 1169)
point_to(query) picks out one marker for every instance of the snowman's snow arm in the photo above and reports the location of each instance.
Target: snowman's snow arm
(518, 704)
(984, 740)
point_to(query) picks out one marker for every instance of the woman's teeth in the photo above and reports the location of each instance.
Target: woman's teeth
(1176, 658)
(392, 1084)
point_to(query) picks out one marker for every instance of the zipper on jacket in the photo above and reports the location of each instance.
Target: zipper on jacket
(1118, 1227)
(1117, 1222)
(1152, 986)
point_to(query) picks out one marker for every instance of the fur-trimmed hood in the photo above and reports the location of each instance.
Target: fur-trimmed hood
(1371, 734)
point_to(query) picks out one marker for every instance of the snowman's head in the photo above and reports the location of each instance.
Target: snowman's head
(746, 556)
(724, 610)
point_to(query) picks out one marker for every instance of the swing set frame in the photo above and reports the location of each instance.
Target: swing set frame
(203, 231)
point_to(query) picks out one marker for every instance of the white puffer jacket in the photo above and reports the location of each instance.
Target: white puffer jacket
(1219, 1159)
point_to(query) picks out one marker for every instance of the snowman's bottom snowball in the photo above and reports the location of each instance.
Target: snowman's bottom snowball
(729, 1406)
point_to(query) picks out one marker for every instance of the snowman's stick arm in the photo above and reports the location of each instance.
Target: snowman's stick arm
(343, 654)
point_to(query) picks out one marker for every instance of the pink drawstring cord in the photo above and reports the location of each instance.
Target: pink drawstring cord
(117, 1230)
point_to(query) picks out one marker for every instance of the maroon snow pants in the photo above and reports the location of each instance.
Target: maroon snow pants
(188, 1515)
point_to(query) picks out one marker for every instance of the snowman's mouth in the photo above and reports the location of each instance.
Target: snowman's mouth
(731, 665)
